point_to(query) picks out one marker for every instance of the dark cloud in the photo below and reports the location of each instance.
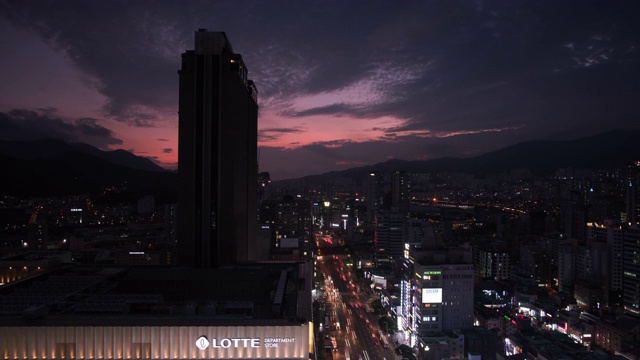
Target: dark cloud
(455, 65)
(282, 130)
(26, 125)
(333, 109)
(167, 150)
(426, 58)
(328, 149)
(50, 111)
(271, 134)
(125, 53)
(323, 151)
(163, 139)
(90, 127)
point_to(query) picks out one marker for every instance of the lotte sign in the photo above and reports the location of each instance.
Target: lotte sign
(202, 343)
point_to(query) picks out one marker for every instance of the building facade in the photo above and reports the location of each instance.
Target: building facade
(375, 195)
(632, 194)
(438, 295)
(630, 280)
(445, 297)
(156, 342)
(400, 193)
(492, 261)
(389, 237)
(289, 218)
(218, 134)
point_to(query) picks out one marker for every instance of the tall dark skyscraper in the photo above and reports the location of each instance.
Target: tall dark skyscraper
(218, 135)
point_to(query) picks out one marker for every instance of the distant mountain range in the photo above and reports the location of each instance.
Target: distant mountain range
(53, 167)
(49, 148)
(613, 149)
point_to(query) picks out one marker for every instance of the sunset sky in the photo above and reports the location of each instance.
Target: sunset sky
(341, 83)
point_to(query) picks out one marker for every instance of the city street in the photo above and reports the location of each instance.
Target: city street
(355, 329)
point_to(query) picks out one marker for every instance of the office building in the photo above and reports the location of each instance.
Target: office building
(289, 218)
(423, 233)
(217, 199)
(253, 312)
(438, 293)
(389, 237)
(151, 342)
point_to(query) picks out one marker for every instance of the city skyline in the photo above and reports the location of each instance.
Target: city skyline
(340, 85)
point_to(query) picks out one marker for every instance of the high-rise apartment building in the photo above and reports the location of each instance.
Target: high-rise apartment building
(218, 135)
(492, 261)
(576, 216)
(400, 193)
(375, 195)
(611, 232)
(566, 264)
(631, 266)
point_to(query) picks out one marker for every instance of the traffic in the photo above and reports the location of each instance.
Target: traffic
(350, 329)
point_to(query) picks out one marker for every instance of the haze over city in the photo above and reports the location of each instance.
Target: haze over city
(341, 84)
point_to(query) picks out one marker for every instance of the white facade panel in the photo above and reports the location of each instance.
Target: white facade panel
(155, 342)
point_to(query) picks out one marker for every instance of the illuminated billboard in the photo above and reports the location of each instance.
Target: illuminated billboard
(432, 295)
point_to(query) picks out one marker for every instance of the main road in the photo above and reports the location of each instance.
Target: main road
(355, 329)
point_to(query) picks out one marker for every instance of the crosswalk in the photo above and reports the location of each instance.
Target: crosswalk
(366, 355)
